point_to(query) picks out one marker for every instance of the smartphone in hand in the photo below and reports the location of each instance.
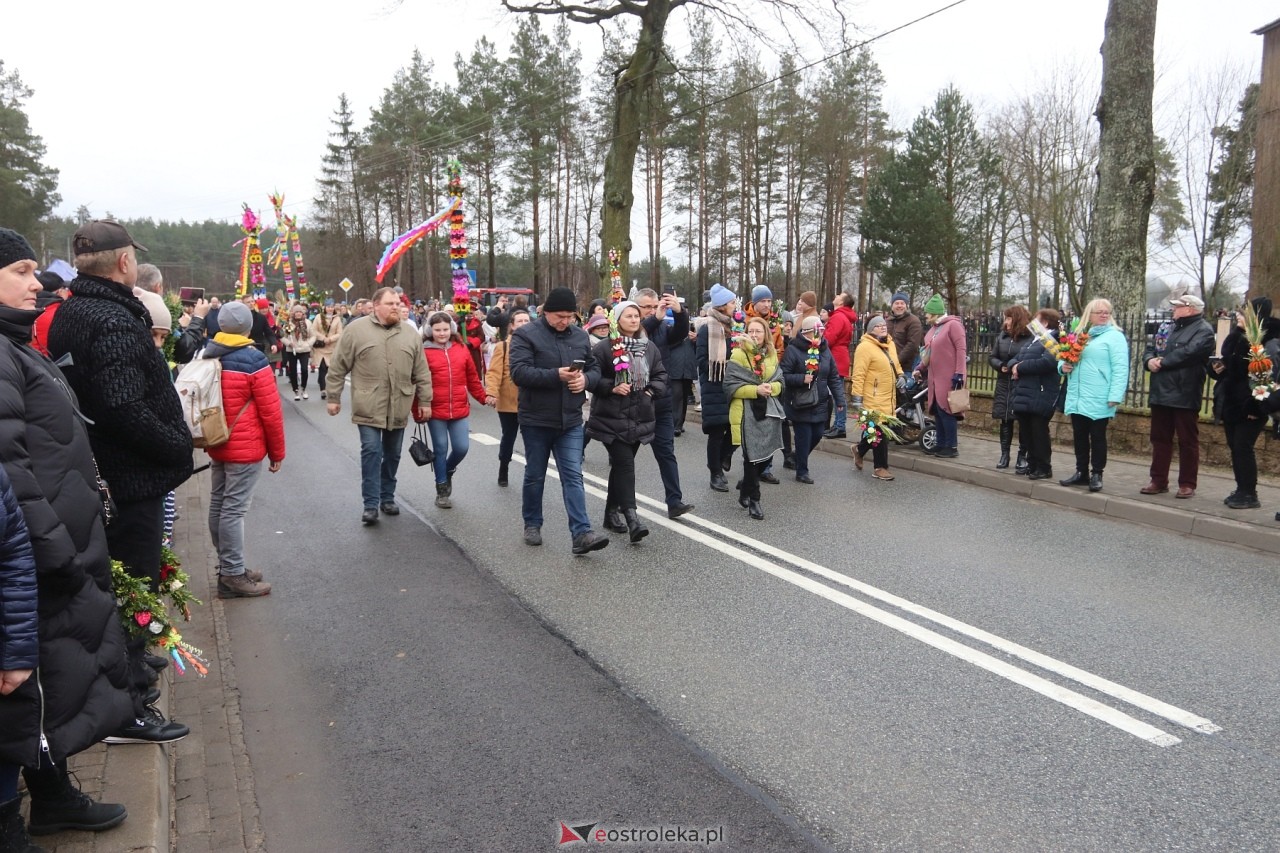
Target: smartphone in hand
(578, 365)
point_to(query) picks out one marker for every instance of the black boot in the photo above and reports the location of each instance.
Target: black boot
(502, 473)
(1095, 482)
(718, 481)
(442, 496)
(1006, 440)
(1079, 478)
(754, 510)
(613, 520)
(56, 804)
(13, 832)
(635, 527)
(448, 485)
(1021, 466)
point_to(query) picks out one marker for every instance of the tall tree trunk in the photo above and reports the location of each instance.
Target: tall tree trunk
(1126, 158)
(632, 91)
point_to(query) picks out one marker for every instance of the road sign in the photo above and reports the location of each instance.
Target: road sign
(346, 284)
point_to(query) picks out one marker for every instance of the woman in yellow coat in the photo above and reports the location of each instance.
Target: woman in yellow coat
(753, 384)
(875, 382)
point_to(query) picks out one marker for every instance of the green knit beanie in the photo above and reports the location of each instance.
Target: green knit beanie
(935, 305)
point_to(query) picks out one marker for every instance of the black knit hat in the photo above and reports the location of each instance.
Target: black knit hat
(14, 247)
(560, 299)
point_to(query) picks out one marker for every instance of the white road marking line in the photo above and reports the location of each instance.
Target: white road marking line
(1058, 693)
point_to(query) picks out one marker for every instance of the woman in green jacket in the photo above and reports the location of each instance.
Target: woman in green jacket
(753, 383)
(1096, 387)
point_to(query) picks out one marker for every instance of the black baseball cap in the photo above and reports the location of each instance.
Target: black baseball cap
(101, 235)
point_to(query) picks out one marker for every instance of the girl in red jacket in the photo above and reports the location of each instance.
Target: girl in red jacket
(453, 375)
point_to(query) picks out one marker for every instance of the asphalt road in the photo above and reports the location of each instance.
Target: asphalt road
(877, 666)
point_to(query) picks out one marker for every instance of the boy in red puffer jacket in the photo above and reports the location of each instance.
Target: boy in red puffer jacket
(252, 407)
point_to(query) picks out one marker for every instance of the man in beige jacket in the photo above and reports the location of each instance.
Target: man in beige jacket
(385, 361)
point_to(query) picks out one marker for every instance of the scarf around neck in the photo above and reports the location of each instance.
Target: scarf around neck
(717, 344)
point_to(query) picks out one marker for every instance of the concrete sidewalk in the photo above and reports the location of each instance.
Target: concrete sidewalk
(198, 794)
(1203, 515)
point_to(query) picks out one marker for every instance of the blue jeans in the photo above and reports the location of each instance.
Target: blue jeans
(947, 427)
(664, 450)
(539, 443)
(229, 501)
(450, 441)
(379, 461)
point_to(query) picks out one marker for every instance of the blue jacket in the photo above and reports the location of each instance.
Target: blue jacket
(1101, 377)
(19, 639)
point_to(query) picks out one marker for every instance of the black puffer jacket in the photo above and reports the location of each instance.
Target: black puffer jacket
(1179, 383)
(1035, 391)
(537, 353)
(46, 454)
(665, 337)
(827, 381)
(628, 419)
(1233, 394)
(138, 434)
(1003, 351)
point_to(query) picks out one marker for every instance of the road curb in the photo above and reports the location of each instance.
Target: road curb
(1177, 516)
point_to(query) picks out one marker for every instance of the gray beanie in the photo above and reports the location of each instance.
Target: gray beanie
(235, 319)
(875, 321)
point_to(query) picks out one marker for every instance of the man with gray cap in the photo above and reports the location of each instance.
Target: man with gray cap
(1177, 358)
(101, 338)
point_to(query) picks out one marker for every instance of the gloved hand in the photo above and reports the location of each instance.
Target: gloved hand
(957, 381)
(901, 382)
(856, 403)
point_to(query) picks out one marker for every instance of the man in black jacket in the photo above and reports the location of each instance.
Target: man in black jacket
(653, 314)
(102, 340)
(551, 364)
(1177, 359)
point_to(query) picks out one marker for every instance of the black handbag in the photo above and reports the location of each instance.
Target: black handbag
(419, 450)
(806, 397)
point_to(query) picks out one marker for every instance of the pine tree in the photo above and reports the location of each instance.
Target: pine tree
(28, 188)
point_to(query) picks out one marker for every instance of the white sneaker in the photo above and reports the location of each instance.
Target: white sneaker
(304, 395)
(297, 396)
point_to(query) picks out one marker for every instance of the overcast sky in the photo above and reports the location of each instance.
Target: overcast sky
(182, 110)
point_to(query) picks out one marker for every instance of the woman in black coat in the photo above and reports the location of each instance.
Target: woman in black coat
(1242, 416)
(1034, 379)
(78, 694)
(622, 411)
(1013, 336)
(722, 322)
(812, 387)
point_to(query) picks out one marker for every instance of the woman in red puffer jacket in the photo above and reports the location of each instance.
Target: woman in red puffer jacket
(453, 375)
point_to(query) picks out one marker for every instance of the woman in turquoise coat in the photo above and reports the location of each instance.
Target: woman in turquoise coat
(1096, 386)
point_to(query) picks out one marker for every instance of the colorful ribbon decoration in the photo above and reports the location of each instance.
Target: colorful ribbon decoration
(251, 272)
(458, 245)
(396, 248)
(615, 277)
(279, 252)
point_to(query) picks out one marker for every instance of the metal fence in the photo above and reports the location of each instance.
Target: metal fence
(1139, 330)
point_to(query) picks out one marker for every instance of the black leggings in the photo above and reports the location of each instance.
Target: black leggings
(323, 371)
(1090, 438)
(622, 474)
(298, 362)
(1241, 438)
